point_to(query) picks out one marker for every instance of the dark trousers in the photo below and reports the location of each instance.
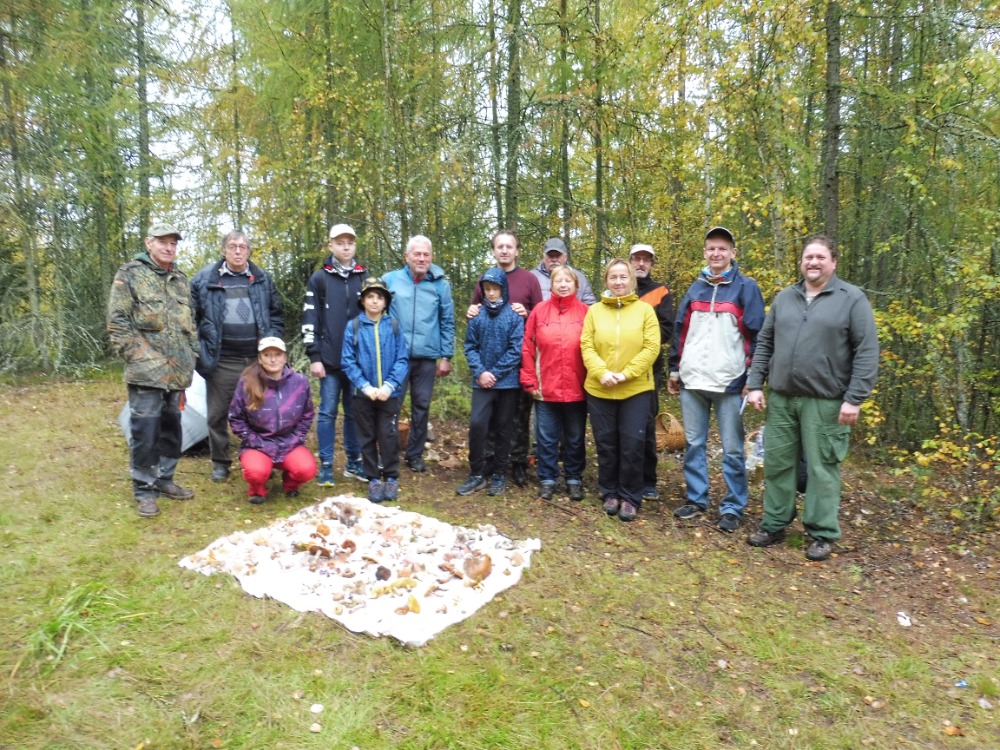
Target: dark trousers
(619, 428)
(155, 429)
(377, 426)
(420, 382)
(493, 416)
(649, 455)
(520, 433)
(219, 389)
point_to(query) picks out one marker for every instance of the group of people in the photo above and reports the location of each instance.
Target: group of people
(537, 342)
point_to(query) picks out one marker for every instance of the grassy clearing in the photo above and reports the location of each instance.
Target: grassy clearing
(653, 635)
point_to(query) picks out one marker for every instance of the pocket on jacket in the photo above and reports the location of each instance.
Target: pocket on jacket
(148, 313)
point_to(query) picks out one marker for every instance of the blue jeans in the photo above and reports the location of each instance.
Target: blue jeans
(696, 409)
(333, 389)
(557, 422)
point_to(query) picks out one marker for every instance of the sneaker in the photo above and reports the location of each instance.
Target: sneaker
(220, 473)
(819, 549)
(417, 465)
(497, 485)
(519, 474)
(257, 499)
(729, 523)
(391, 490)
(474, 483)
(650, 493)
(547, 489)
(762, 538)
(167, 488)
(627, 511)
(611, 505)
(376, 491)
(325, 476)
(575, 488)
(356, 470)
(688, 510)
(148, 507)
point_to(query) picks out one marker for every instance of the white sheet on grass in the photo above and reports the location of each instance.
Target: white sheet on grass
(331, 556)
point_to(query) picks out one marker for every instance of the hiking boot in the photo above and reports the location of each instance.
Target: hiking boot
(519, 474)
(220, 473)
(390, 491)
(611, 505)
(376, 491)
(417, 465)
(688, 510)
(819, 549)
(762, 538)
(575, 488)
(729, 523)
(650, 493)
(355, 470)
(257, 499)
(627, 511)
(547, 489)
(474, 483)
(148, 507)
(167, 488)
(497, 485)
(325, 476)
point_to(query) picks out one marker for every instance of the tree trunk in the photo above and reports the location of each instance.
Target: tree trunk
(831, 140)
(513, 128)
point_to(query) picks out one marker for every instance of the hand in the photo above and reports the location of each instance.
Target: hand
(317, 369)
(849, 413)
(472, 312)
(443, 368)
(519, 309)
(674, 386)
(371, 392)
(486, 380)
(385, 393)
(608, 379)
(756, 399)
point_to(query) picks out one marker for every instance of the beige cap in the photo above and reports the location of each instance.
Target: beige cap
(338, 229)
(271, 342)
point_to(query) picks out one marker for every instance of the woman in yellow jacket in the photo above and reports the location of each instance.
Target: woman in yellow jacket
(620, 342)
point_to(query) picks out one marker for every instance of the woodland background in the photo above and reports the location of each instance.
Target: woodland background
(601, 121)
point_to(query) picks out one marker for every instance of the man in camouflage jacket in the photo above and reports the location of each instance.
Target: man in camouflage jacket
(151, 324)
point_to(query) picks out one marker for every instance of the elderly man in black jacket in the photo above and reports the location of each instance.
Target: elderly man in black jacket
(236, 305)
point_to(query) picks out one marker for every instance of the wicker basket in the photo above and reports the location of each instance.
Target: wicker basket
(669, 432)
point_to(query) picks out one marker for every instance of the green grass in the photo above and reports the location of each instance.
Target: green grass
(652, 635)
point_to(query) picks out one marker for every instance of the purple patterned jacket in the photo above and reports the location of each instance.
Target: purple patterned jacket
(282, 421)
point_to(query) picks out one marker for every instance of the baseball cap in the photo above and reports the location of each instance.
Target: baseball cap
(338, 229)
(642, 248)
(555, 245)
(721, 232)
(271, 342)
(163, 229)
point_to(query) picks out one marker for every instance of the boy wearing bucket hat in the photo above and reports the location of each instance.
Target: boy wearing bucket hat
(376, 359)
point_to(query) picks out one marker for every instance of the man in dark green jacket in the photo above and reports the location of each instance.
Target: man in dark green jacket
(151, 324)
(819, 352)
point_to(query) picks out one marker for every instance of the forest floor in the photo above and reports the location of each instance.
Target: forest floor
(654, 634)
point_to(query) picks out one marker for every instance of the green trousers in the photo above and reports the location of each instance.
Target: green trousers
(800, 426)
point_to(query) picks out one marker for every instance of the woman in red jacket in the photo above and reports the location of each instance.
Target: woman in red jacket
(552, 372)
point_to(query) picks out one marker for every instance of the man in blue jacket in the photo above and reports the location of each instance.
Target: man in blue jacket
(235, 306)
(714, 339)
(422, 303)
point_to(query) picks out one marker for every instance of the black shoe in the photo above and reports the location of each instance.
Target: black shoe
(291, 493)
(627, 511)
(497, 485)
(611, 505)
(688, 510)
(547, 489)
(167, 488)
(762, 538)
(417, 465)
(819, 549)
(257, 499)
(519, 474)
(729, 523)
(474, 483)
(220, 473)
(575, 490)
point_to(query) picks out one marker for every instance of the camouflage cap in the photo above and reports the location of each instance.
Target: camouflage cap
(163, 229)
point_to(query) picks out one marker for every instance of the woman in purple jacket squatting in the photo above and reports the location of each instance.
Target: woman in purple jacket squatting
(271, 414)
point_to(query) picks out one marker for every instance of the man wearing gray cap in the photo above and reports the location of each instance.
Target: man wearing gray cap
(555, 254)
(714, 341)
(151, 324)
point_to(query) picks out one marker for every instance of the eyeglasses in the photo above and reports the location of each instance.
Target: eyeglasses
(237, 247)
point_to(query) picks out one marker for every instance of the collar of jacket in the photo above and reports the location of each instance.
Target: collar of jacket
(563, 303)
(330, 267)
(433, 273)
(612, 301)
(726, 278)
(143, 257)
